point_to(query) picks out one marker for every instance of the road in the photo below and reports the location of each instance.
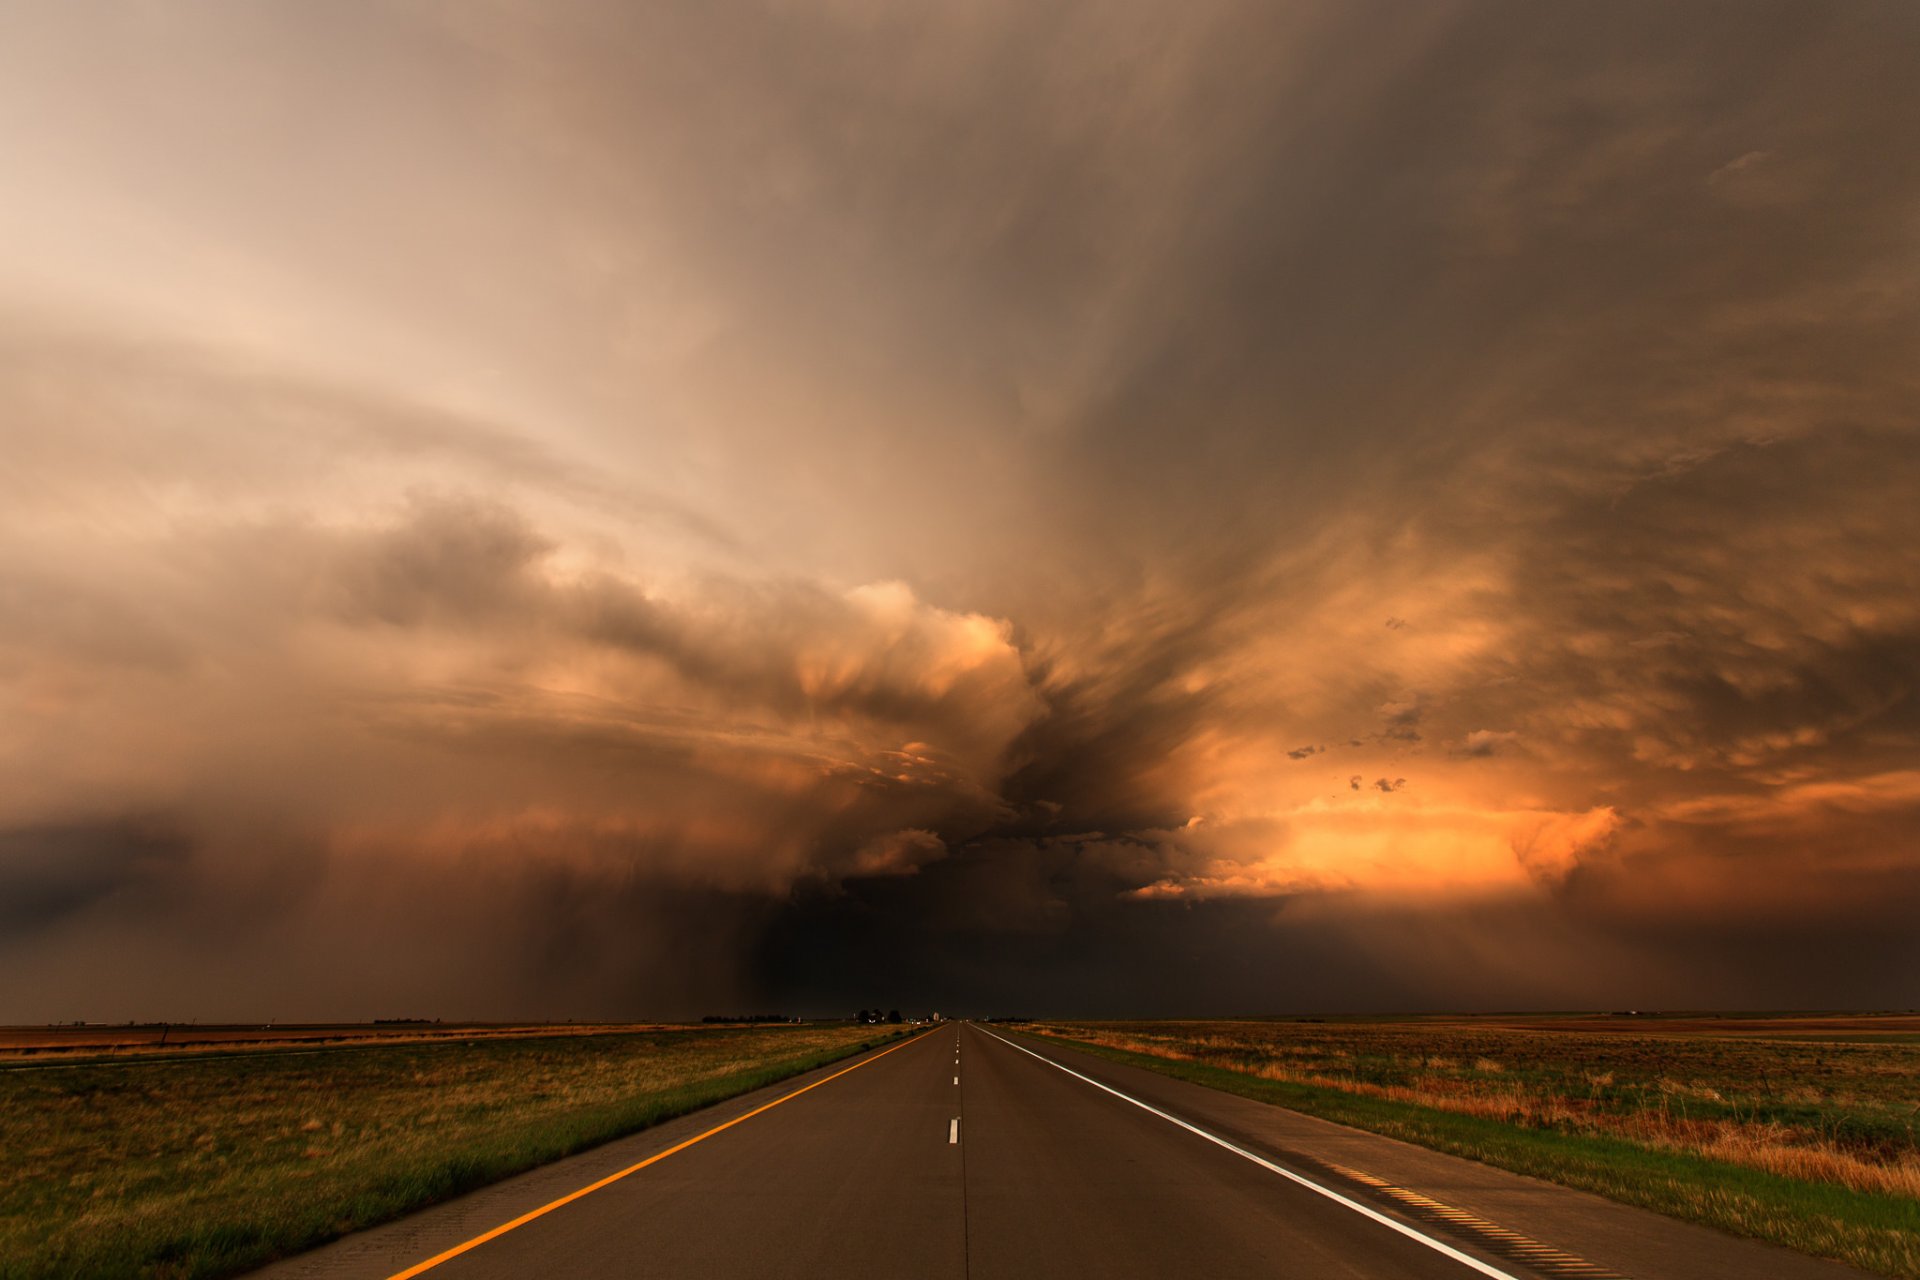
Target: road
(966, 1152)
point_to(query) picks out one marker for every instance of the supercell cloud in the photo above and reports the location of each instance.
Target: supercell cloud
(568, 510)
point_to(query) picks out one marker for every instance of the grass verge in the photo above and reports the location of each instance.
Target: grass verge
(185, 1170)
(1876, 1232)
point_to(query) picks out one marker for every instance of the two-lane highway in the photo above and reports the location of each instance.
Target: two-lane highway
(967, 1153)
(954, 1155)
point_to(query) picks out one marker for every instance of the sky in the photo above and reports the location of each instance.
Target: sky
(559, 509)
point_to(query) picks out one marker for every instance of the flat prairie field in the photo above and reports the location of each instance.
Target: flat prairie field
(90, 1039)
(1797, 1129)
(213, 1159)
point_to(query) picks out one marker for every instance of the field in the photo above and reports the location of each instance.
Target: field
(93, 1039)
(207, 1161)
(1798, 1130)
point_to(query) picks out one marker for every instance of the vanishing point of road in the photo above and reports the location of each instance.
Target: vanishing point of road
(969, 1152)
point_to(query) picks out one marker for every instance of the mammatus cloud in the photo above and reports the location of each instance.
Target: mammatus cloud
(1100, 509)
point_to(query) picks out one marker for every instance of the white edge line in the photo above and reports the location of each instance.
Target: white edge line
(1465, 1259)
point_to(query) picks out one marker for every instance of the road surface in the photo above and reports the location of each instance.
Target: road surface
(970, 1152)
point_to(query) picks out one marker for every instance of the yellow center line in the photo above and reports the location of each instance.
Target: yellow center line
(590, 1188)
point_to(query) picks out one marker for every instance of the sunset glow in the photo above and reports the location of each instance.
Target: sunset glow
(561, 509)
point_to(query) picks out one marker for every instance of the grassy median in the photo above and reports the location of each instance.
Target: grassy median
(1802, 1140)
(201, 1167)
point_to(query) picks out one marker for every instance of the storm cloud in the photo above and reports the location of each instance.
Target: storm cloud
(584, 510)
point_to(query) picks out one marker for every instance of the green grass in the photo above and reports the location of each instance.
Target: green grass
(178, 1169)
(1875, 1231)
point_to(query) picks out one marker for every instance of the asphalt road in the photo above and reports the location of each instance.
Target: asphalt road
(963, 1153)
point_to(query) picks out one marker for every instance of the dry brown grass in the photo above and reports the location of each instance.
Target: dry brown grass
(62, 1043)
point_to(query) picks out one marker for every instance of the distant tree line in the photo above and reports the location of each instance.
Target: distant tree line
(875, 1016)
(748, 1017)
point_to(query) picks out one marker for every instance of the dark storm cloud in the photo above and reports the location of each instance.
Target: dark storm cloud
(1309, 954)
(1401, 721)
(742, 499)
(50, 873)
